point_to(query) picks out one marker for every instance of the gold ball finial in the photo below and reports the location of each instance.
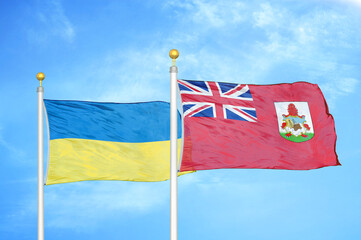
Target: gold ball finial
(40, 76)
(173, 54)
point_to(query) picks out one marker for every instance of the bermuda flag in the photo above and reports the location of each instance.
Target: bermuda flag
(280, 126)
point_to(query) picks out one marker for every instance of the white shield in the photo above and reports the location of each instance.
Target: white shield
(294, 121)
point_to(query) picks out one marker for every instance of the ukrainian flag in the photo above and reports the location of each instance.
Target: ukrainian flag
(108, 141)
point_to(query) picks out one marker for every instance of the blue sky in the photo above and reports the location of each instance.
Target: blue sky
(118, 51)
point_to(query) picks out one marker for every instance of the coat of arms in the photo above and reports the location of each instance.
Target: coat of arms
(294, 121)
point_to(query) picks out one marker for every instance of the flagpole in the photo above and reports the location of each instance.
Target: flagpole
(173, 148)
(40, 76)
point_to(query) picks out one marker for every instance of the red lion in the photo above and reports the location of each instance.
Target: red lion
(293, 111)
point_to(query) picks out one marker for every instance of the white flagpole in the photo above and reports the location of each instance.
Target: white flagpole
(173, 148)
(40, 76)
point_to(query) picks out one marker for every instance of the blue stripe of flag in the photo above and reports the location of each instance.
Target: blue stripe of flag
(118, 122)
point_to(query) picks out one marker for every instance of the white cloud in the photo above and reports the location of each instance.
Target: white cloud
(13, 151)
(356, 3)
(348, 85)
(82, 206)
(267, 16)
(135, 75)
(53, 22)
(338, 87)
(312, 42)
(210, 13)
(290, 38)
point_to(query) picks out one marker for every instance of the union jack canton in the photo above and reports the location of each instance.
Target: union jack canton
(217, 100)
